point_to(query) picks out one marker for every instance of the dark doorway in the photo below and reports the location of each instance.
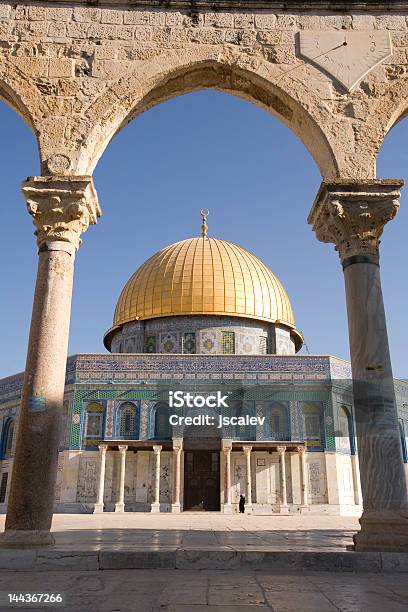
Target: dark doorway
(202, 480)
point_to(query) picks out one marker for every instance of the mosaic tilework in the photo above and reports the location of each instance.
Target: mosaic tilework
(228, 343)
(189, 343)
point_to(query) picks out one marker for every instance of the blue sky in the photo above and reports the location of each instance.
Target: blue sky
(204, 149)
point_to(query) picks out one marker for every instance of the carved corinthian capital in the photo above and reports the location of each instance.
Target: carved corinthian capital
(62, 208)
(352, 215)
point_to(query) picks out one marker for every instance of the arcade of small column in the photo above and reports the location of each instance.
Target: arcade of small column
(62, 209)
(352, 215)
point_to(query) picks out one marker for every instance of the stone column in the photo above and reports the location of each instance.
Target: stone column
(303, 477)
(61, 210)
(248, 499)
(155, 507)
(120, 505)
(352, 215)
(284, 509)
(226, 451)
(98, 509)
(177, 447)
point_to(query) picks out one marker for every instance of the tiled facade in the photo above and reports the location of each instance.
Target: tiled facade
(119, 397)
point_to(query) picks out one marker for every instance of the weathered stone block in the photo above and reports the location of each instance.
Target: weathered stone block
(137, 559)
(161, 35)
(33, 66)
(219, 20)
(109, 69)
(391, 22)
(101, 30)
(5, 11)
(174, 18)
(17, 559)
(400, 39)
(105, 53)
(63, 67)
(38, 28)
(59, 14)
(309, 22)
(244, 20)
(364, 22)
(57, 29)
(86, 14)
(265, 22)
(109, 16)
(70, 560)
(282, 54)
(157, 18)
(285, 22)
(37, 13)
(136, 17)
(77, 30)
(21, 12)
(269, 37)
(207, 36)
(143, 34)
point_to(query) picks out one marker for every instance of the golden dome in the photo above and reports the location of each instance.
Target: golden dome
(204, 276)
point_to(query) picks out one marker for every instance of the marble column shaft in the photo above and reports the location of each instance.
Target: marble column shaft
(101, 486)
(155, 507)
(177, 447)
(352, 215)
(120, 504)
(61, 210)
(303, 475)
(248, 500)
(282, 465)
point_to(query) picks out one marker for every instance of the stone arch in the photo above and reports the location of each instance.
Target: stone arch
(7, 438)
(223, 69)
(22, 94)
(387, 110)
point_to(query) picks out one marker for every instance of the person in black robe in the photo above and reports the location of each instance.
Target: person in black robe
(242, 504)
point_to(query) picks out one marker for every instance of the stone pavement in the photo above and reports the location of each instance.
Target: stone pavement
(211, 591)
(201, 541)
(147, 531)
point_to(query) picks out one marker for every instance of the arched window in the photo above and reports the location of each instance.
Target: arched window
(128, 421)
(403, 442)
(7, 438)
(243, 410)
(278, 415)
(94, 420)
(312, 429)
(344, 441)
(162, 427)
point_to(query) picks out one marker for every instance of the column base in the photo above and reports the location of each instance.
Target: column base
(98, 509)
(155, 508)
(382, 532)
(227, 509)
(25, 538)
(284, 509)
(119, 507)
(175, 508)
(304, 509)
(248, 508)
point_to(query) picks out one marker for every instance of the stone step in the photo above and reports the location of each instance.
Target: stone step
(56, 558)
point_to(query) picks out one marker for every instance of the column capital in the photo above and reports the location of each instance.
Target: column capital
(247, 449)
(177, 444)
(226, 445)
(281, 449)
(62, 208)
(301, 449)
(123, 448)
(352, 215)
(157, 449)
(103, 447)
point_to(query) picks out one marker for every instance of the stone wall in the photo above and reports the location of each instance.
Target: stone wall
(78, 73)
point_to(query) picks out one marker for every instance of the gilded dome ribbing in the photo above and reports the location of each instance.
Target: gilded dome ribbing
(203, 276)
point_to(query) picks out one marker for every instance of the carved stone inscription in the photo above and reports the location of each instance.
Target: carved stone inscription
(346, 56)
